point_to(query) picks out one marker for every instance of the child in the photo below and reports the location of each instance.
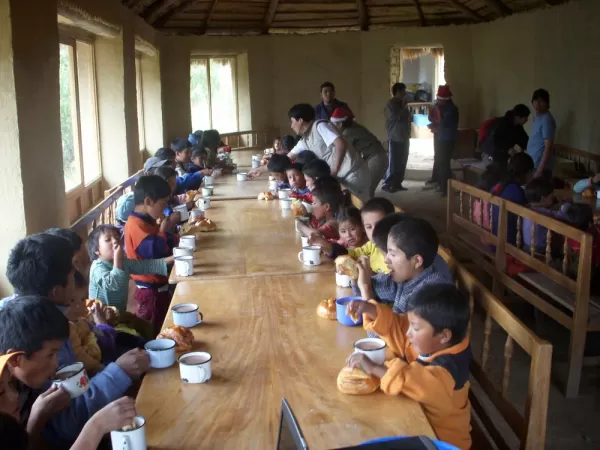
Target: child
(278, 165)
(198, 164)
(520, 171)
(371, 213)
(170, 176)
(432, 355)
(580, 216)
(350, 227)
(306, 156)
(313, 170)
(183, 152)
(41, 265)
(81, 261)
(275, 149)
(327, 200)
(144, 239)
(287, 144)
(412, 260)
(481, 210)
(593, 182)
(539, 193)
(296, 180)
(110, 271)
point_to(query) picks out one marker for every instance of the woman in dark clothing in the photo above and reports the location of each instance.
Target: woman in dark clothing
(506, 135)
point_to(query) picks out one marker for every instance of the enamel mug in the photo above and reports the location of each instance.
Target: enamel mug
(187, 315)
(208, 180)
(130, 440)
(184, 266)
(161, 353)
(373, 348)
(203, 203)
(310, 255)
(196, 214)
(182, 209)
(188, 241)
(195, 367)
(73, 379)
(285, 203)
(183, 251)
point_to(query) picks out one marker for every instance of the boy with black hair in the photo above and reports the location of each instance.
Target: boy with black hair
(412, 261)
(166, 154)
(81, 262)
(287, 144)
(278, 165)
(315, 169)
(198, 161)
(307, 156)
(183, 152)
(432, 355)
(296, 180)
(328, 198)
(144, 239)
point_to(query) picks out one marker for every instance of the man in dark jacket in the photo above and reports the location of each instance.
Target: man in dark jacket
(505, 134)
(397, 121)
(328, 103)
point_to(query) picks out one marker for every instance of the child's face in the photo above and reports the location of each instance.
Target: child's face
(352, 234)
(402, 268)
(106, 245)
(281, 177)
(276, 145)
(310, 182)
(64, 295)
(423, 337)
(370, 219)
(296, 179)
(9, 397)
(184, 156)
(39, 368)
(77, 309)
(321, 210)
(155, 208)
(198, 161)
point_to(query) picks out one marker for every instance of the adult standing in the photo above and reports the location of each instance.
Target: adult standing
(329, 103)
(500, 137)
(364, 142)
(397, 120)
(444, 126)
(543, 130)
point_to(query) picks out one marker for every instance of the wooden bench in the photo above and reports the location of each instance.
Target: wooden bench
(546, 281)
(585, 162)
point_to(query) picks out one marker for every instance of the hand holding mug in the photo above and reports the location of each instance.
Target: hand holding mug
(49, 403)
(134, 363)
(360, 307)
(115, 415)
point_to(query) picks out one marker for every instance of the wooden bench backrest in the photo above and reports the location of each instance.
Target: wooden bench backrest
(530, 427)
(584, 161)
(250, 138)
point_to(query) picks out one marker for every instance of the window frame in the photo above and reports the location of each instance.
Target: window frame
(139, 77)
(233, 58)
(71, 41)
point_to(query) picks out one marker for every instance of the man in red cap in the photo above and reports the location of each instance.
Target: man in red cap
(397, 120)
(444, 126)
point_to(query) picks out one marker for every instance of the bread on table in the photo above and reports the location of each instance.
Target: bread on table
(298, 208)
(589, 192)
(356, 382)
(184, 338)
(327, 310)
(268, 195)
(198, 225)
(190, 196)
(347, 266)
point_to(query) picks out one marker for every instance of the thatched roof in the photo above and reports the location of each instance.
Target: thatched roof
(238, 17)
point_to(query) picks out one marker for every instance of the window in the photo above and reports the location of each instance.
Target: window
(78, 114)
(213, 89)
(139, 87)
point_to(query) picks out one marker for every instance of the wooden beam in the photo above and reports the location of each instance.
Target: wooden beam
(420, 12)
(500, 7)
(149, 14)
(164, 18)
(209, 16)
(363, 15)
(467, 11)
(273, 4)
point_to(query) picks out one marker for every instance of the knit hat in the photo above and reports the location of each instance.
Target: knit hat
(4, 360)
(341, 115)
(444, 92)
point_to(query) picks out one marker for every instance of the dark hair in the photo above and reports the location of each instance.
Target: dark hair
(151, 186)
(317, 168)
(165, 172)
(180, 144)
(70, 235)
(279, 163)
(378, 204)
(210, 139)
(444, 307)
(302, 111)
(295, 166)
(327, 84)
(537, 189)
(93, 240)
(519, 165)
(165, 154)
(521, 110)
(306, 156)
(199, 152)
(329, 191)
(383, 227)
(38, 263)
(29, 321)
(579, 215)
(349, 214)
(491, 176)
(13, 433)
(398, 87)
(288, 142)
(541, 94)
(415, 236)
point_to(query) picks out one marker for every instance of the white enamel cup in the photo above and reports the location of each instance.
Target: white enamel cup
(130, 440)
(184, 266)
(308, 207)
(273, 185)
(187, 315)
(78, 383)
(183, 251)
(195, 373)
(196, 214)
(255, 164)
(285, 203)
(284, 193)
(203, 203)
(207, 191)
(377, 354)
(343, 280)
(208, 180)
(242, 176)
(310, 255)
(161, 353)
(182, 209)
(188, 241)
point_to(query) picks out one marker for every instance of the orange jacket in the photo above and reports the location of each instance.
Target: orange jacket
(439, 382)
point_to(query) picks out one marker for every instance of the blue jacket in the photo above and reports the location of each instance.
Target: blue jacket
(322, 113)
(188, 182)
(449, 123)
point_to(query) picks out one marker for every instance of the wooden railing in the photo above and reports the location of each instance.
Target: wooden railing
(251, 138)
(585, 162)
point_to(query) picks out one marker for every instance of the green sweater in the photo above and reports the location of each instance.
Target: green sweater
(111, 285)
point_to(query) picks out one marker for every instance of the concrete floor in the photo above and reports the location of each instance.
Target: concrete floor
(572, 424)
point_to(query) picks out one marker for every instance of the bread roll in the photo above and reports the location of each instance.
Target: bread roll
(265, 195)
(298, 208)
(184, 339)
(356, 382)
(326, 309)
(346, 265)
(190, 196)
(589, 192)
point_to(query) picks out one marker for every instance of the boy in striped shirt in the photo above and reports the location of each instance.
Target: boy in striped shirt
(111, 270)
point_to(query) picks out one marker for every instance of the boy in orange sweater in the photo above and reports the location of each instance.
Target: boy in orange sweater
(432, 356)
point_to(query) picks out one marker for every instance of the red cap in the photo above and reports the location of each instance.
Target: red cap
(341, 115)
(444, 92)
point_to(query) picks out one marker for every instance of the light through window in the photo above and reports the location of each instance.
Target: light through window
(139, 87)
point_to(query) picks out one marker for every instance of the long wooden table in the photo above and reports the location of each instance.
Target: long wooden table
(226, 187)
(253, 237)
(267, 343)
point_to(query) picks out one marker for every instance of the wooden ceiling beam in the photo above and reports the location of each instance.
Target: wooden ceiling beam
(420, 12)
(499, 7)
(164, 18)
(153, 10)
(273, 4)
(465, 10)
(211, 11)
(363, 15)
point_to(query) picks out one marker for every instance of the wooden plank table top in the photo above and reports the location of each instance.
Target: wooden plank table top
(267, 342)
(253, 237)
(226, 187)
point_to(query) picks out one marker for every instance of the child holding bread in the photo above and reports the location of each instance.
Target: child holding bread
(432, 355)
